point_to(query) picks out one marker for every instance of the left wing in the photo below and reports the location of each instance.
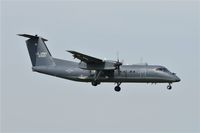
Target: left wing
(86, 58)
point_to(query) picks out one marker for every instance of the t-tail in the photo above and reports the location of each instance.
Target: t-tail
(38, 51)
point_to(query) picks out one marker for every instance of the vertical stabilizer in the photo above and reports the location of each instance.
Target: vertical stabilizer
(38, 51)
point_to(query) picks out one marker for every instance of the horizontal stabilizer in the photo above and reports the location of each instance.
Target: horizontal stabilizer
(32, 36)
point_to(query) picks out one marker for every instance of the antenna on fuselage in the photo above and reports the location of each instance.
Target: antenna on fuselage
(142, 62)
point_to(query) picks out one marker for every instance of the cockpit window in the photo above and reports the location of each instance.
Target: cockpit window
(162, 69)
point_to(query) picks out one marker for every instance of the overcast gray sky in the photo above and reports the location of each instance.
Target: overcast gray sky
(161, 32)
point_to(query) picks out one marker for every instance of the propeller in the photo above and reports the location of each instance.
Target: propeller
(118, 63)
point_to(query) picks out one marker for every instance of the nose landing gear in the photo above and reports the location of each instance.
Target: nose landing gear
(118, 88)
(169, 87)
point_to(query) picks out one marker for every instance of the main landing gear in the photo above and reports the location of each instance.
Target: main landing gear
(118, 88)
(169, 87)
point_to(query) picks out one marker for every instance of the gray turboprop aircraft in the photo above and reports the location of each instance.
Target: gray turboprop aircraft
(94, 70)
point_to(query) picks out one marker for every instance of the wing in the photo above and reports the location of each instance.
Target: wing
(86, 58)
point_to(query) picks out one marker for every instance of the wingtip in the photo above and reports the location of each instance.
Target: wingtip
(70, 51)
(19, 34)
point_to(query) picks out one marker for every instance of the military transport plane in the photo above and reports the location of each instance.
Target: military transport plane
(94, 70)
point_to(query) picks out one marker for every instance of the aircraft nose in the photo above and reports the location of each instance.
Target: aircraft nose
(177, 79)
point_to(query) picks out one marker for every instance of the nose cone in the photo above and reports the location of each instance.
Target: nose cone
(177, 79)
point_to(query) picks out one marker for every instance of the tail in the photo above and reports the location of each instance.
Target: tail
(38, 51)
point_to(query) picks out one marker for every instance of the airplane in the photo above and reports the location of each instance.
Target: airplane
(94, 70)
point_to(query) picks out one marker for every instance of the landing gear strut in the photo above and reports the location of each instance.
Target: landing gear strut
(96, 76)
(169, 87)
(118, 88)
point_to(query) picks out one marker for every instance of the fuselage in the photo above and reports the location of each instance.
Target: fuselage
(92, 69)
(127, 73)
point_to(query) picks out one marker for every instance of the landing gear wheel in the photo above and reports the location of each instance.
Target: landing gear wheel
(94, 83)
(117, 88)
(169, 87)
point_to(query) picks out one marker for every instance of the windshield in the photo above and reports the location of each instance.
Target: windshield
(163, 69)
